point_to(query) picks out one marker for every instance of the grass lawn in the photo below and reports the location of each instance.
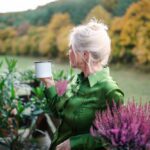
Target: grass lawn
(133, 82)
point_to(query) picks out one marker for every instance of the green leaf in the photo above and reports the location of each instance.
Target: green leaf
(27, 111)
(11, 64)
(38, 91)
(20, 107)
(13, 94)
(2, 83)
(37, 112)
(1, 63)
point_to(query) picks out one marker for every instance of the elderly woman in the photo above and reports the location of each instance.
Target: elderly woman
(90, 48)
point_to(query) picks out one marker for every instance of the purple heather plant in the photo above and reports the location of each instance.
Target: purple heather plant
(124, 128)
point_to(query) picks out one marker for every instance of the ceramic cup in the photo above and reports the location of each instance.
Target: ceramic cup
(43, 69)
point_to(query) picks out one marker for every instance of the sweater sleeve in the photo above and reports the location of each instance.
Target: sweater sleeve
(116, 96)
(113, 92)
(86, 142)
(52, 98)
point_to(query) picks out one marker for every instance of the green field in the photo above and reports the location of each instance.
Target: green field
(133, 82)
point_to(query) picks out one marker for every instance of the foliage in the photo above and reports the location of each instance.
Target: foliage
(19, 113)
(7, 33)
(117, 7)
(62, 40)
(131, 35)
(99, 13)
(122, 6)
(42, 15)
(126, 127)
(109, 6)
(15, 114)
(55, 39)
(23, 28)
(10, 105)
(46, 41)
(6, 37)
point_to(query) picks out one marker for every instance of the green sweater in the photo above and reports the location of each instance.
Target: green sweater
(77, 107)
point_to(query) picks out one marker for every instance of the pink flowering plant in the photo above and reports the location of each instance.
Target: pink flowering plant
(65, 83)
(61, 87)
(124, 128)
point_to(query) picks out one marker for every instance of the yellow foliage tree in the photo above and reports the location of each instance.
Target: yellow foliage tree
(49, 43)
(131, 34)
(59, 20)
(23, 45)
(142, 49)
(7, 33)
(6, 36)
(1, 47)
(14, 46)
(109, 5)
(7, 45)
(99, 13)
(35, 35)
(62, 40)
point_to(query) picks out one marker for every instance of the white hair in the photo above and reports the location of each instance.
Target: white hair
(92, 37)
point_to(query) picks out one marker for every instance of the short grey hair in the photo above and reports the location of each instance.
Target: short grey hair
(92, 37)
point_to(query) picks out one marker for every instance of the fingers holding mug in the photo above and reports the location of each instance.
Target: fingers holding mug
(48, 81)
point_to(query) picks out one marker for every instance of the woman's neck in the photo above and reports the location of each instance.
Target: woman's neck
(91, 70)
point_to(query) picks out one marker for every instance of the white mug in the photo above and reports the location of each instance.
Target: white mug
(43, 69)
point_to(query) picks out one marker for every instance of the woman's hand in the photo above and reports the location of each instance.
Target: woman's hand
(64, 146)
(48, 81)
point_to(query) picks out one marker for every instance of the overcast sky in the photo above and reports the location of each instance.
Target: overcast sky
(20, 5)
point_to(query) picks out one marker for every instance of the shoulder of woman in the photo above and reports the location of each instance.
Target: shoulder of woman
(110, 85)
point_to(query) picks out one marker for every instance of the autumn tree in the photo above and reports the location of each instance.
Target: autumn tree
(22, 29)
(99, 13)
(54, 35)
(131, 34)
(62, 40)
(7, 33)
(6, 36)
(117, 7)
(1, 46)
(35, 35)
(109, 5)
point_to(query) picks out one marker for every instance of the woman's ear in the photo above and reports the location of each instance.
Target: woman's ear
(86, 56)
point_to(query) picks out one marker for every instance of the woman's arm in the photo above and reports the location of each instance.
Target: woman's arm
(48, 81)
(52, 98)
(86, 142)
(116, 96)
(51, 94)
(54, 92)
(82, 142)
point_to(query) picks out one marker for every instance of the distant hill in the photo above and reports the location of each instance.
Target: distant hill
(77, 9)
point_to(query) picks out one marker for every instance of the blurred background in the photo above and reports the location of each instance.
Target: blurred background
(41, 32)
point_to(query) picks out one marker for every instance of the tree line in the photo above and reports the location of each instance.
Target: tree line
(77, 9)
(129, 33)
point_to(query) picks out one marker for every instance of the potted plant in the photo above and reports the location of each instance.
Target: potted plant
(18, 118)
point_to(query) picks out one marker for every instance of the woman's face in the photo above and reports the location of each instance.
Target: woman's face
(75, 59)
